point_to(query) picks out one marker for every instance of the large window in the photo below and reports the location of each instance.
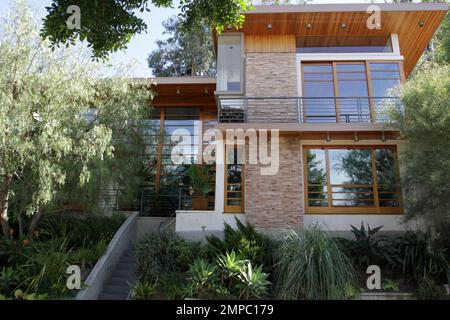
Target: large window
(229, 63)
(352, 180)
(347, 91)
(166, 184)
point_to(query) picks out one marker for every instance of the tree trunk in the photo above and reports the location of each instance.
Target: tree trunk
(4, 221)
(35, 223)
(4, 199)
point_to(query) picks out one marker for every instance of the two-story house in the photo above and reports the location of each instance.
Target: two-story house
(314, 80)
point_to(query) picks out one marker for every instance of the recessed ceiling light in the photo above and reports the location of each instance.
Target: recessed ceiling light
(269, 26)
(344, 25)
(421, 23)
(309, 26)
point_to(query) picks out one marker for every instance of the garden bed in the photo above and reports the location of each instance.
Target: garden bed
(36, 269)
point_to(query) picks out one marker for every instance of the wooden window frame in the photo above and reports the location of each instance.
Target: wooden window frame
(241, 208)
(335, 82)
(330, 209)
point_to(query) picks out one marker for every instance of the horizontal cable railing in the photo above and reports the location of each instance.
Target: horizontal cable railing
(304, 109)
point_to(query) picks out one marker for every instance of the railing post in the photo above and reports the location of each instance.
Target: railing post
(245, 110)
(358, 107)
(299, 116)
(179, 198)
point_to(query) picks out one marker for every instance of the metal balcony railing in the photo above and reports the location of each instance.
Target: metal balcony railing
(303, 109)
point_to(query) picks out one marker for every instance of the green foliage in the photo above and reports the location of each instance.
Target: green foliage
(82, 231)
(203, 278)
(368, 248)
(45, 268)
(246, 242)
(228, 277)
(421, 258)
(145, 290)
(183, 52)
(390, 285)
(46, 96)
(253, 282)
(429, 290)
(161, 253)
(9, 279)
(108, 25)
(199, 179)
(173, 286)
(424, 119)
(311, 265)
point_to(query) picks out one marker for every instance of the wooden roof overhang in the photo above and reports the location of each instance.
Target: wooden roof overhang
(184, 92)
(415, 23)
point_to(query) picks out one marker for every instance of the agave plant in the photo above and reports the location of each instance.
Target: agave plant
(253, 282)
(203, 277)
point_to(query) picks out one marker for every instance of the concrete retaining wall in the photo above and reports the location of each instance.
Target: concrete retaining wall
(104, 267)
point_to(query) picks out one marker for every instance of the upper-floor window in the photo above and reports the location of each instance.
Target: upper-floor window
(352, 91)
(344, 44)
(229, 63)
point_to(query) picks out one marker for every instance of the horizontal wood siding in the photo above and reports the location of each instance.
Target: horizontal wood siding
(269, 44)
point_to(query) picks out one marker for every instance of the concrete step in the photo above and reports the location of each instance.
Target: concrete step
(108, 296)
(127, 259)
(118, 281)
(125, 266)
(122, 273)
(114, 289)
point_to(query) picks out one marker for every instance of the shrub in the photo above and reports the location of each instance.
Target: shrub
(83, 230)
(173, 286)
(228, 277)
(9, 279)
(203, 278)
(368, 249)
(145, 290)
(421, 257)
(311, 265)
(45, 269)
(429, 290)
(162, 253)
(246, 242)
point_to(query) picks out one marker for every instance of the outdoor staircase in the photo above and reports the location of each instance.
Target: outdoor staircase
(118, 286)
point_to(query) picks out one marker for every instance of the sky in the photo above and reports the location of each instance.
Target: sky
(141, 45)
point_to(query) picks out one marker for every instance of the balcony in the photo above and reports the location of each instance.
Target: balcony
(297, 110)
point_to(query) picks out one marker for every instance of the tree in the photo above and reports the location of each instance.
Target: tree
(45, 97)
(183, 52)
(424, 119)
(108, 25)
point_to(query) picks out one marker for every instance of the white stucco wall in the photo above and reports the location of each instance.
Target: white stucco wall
(204, 221)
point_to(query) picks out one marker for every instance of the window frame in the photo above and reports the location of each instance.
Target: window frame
(335, 81)
(330, 209)
(242, 59)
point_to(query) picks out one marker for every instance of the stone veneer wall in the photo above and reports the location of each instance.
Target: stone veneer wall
(271, 75)
(276, 202)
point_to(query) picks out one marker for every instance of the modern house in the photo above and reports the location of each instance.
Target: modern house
(313, 79)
